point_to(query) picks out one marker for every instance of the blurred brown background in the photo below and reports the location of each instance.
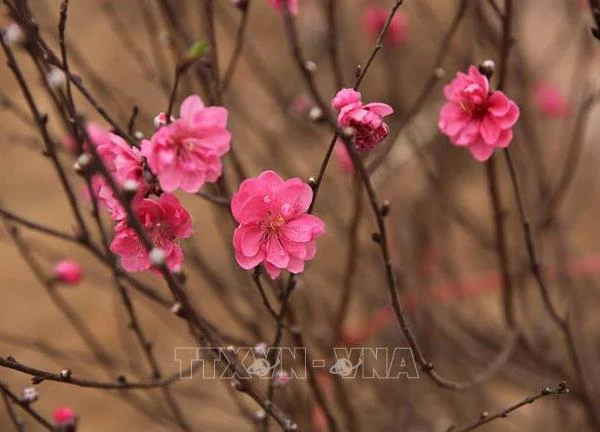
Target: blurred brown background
(461, 334)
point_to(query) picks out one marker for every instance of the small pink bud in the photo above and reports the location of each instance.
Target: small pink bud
(68, 271)
(64, 417)
(161, 120)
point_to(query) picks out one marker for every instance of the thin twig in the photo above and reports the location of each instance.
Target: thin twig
(237, 50)
(486, 418)
(121, 384)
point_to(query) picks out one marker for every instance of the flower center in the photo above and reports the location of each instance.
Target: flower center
(162, 234)
(474, 110)
(277, 222)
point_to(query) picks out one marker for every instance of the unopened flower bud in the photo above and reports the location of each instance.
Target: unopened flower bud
(487, 68)
(64, 418)
(349, 131)
(83, 162)
(358, 71)
(130, 187)
(29, 395)
(68, 272)
(177, 309)
(310, 65)
(65, 373)
(315, 113)
(260, 414)
(161, 120)
(139, 135)
(56, 78)
(385, 208)
(157, 257)
(13, 34)
(36, 380)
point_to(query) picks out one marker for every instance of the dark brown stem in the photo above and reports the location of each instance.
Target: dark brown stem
(485, 418)
(16, 421)
(534, 265)
(7, 394)
(237, 50)
(333, 42)
(351, 266)
(41, 122)
(42, 375)
(501, 247)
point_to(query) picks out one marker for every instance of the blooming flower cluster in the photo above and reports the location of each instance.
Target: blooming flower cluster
(475, 117)
(366, 120)
(184, 153)
(165, 221)
(274, 226)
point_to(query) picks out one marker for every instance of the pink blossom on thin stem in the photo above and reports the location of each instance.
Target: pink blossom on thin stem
(187, 153)
(292, 5)
(125, 164)
(64, 418)
(551, 101)
(68, 272)
(374, 18)
(165, 221)
(366, 120)
(475, 117)
(274, 226)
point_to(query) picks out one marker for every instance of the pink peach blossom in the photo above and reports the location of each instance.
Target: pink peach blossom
(98, 134)
(68, 271)
(187, 152)
(274, 226)
(551, 101)
(366, 120)
(374, 18)
(475, 117)
(124, 163)
(343, 158)
(165, 221)
(292, 5)
(64, 416)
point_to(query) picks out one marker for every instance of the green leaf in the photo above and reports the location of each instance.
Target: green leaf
(198, 50)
